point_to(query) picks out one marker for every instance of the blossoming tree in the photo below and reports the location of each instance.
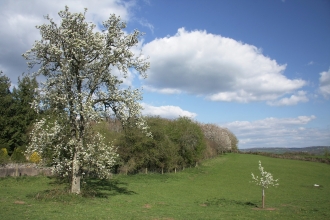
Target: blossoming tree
(78, 64)
(265, 180)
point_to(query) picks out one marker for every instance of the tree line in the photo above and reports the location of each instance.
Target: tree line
(175, 143)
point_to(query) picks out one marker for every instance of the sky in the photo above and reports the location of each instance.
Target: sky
(260, 68)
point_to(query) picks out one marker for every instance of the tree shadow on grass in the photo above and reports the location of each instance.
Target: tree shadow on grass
(90, 188)
(227, 202)
(103, 188)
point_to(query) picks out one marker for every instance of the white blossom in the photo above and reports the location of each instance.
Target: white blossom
(266, 179)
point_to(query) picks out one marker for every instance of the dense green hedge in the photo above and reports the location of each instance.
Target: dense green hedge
(175, 145)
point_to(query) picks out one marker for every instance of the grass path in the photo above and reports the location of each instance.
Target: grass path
(219, 189)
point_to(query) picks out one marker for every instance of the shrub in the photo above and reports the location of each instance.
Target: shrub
(4, 152)
(4, 156)
(35, 157)
(18, 155)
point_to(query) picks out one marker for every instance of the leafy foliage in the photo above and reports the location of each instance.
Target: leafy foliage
(18, 155)
(176, 144)
(190, 138)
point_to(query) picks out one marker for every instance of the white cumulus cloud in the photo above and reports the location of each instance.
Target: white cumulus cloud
(325, 83)
(166, 111)
(294, 99)
(216, 67)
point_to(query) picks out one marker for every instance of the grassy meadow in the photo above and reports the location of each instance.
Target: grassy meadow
(218, 189)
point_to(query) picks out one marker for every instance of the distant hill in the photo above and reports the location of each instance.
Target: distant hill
(317, 150)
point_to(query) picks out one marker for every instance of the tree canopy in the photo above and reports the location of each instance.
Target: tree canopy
(82, 87)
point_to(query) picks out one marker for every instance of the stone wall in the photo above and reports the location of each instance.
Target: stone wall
(24, 169)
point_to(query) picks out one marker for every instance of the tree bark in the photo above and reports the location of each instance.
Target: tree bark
(263, 198)
(75, 182)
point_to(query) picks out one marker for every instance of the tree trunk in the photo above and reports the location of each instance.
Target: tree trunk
(263, 198)
(75, 182)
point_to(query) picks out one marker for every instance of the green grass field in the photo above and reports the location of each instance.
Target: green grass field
(219, 189)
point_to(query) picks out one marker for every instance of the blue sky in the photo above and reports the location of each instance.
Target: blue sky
(260, 68)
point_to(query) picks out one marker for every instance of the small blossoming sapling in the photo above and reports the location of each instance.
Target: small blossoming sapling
(264, 181)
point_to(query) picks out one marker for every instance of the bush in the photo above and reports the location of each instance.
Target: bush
(35, 158)
(4, 156)
(4, 152)
(18, 155)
